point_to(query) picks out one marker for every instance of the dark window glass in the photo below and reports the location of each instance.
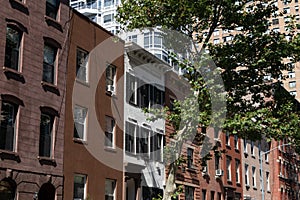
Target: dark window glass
(52, 8)
(12, 48)
(46, 126)
(7, 125)
(190, 153)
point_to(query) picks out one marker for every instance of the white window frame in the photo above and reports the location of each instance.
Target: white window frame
(237, 169)
(268, 181)
(110, 128)
(83, 112)
(82, 65)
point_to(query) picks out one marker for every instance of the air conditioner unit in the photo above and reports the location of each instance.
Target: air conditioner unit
(219, 172)
(110, 88)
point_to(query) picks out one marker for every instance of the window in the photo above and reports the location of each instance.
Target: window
(132, 89)
(294, 93)
(236, 142)
(267, 157)
(110, 78)
(12, 48)
(216, 32)
(275, 21)
(142, 141)
(81, 65)
(253, 176)
(46, 128)
(189, 193)
(245, 146)
(108, 18)
(217, 162)
(227, 139)
(132, 38)
(228, 168)
(292, 84)
(286, 10)
(212, 195)
(52, 8)
(190, 155)
(268, 181)
(148, 40)
(79, 192)
(158, 40)
(156, 146)
(110, 189)
(109, 132)
(291, 75)
(237, 171)
(216, 41)
(8, 125)
(246, 175)
(108, 3)
(219, 196)
(296, 8)
(203, 194)
(49, 63)
(130, 134)
(252, 148)
(80, 115)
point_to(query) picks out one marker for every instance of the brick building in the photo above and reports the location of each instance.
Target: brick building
(32, 94)
(93, 156)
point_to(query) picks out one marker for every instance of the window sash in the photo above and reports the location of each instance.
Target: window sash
(81, 65)
(79, 187)
(80, 115)
(52, 8)
(109, 132)
(49, 63)
(110, 188)
(46, 126)
(110, 75)
(12, 48)
(7, 125)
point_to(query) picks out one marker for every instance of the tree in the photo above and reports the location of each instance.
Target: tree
(256, 108)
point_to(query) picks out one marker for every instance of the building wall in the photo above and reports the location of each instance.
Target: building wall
(253, 160)
(89, 156)
(23, 165)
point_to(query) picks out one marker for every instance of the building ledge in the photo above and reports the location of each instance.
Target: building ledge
(13, 74)
(9, 155)
(19, 6)
(47, 161)
(80, 141)
(50, 87)
(52, 22)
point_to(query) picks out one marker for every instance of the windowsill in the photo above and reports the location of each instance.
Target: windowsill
(111, 94)
(50, 87)
(238, 184)
(254, 188)
(52, 22)
(267, 162)
(9, 155)
(82, 82)
(247, 186)
(19, 6)
(252, 155)
(46, 161)
(236, 150)
(229, 182)
(268, 191)
(110, 149)
(246, 153)
(79, 141)
(13, 74)
(228, 146)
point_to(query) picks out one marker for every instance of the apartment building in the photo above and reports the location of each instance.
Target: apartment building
(33, 57)
(144, 139)
(285, 171)
(93, 156)
(253, 155)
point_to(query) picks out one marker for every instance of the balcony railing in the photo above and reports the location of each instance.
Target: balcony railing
(90, 5)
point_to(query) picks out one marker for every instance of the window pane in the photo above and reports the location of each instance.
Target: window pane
(80, 114)
(46, 126)
(52, 8)
(109, 132)
(13, 39)
(79, 187)
(110, 186)
(49, 63)
(81, 65)
(7, 128)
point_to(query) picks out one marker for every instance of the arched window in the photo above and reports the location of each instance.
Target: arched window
(46, 192)
(7, 189)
